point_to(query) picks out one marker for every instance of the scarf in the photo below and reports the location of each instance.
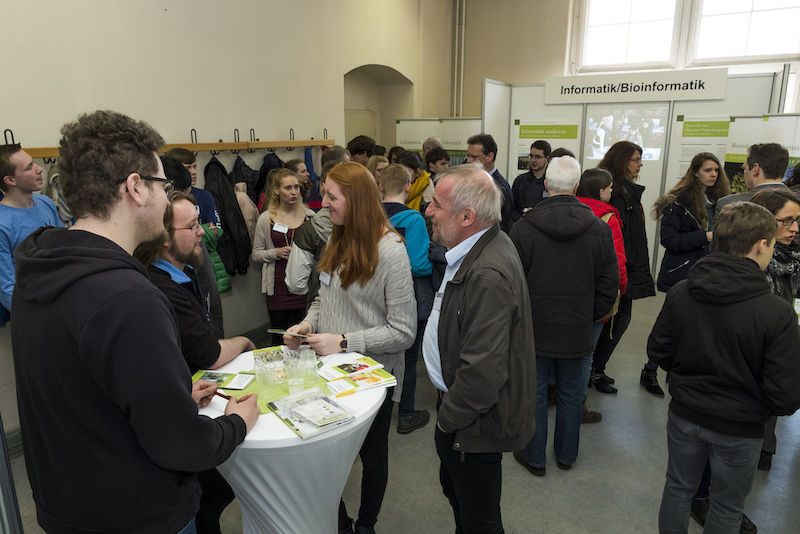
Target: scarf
(784, 265)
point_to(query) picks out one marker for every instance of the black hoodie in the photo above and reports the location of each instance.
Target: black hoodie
(572, 272)
(732, 347)
(111, 434)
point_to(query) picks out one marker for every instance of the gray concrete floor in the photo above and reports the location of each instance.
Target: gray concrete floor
(615, 486)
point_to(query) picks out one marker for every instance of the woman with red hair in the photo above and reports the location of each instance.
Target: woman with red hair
(365, 304)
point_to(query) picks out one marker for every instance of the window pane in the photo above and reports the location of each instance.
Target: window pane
(605, 45)
(650, 41)
(759, 5)
(608, 11)
(781, 28)
(722, 36)
(716, 7)
(658, 10)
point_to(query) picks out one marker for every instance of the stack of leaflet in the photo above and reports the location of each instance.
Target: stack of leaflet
(310, 412)
(350, 372)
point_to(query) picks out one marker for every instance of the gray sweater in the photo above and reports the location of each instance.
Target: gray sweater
(379, 319)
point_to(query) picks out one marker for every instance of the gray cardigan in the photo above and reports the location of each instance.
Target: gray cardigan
(379, 319)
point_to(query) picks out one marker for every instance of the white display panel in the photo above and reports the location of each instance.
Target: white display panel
(559, 125)
(496, 116)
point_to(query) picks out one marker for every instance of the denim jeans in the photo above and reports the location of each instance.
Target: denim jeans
(733, 467)
(570, 377)
(189, 528)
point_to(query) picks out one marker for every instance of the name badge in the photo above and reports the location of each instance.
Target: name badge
(281, 228)
(437, 301)
(325, 278)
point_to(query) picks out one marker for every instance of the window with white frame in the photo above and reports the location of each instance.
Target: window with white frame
(637, 34)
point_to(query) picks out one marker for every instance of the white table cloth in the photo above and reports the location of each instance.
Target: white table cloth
(288, 485)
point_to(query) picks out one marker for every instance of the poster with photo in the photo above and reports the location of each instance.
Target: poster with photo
(644, 125)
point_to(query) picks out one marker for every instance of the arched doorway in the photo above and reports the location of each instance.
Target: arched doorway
(374, 97)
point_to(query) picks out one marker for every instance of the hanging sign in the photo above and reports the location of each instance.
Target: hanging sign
(700, 84)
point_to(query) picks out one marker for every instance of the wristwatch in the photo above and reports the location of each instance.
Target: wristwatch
(343, 343)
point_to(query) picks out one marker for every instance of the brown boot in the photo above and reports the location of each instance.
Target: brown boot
(590, 416)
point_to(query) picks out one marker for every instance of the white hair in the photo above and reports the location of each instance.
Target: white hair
(473, 188)
(431, 143)
(563, 174)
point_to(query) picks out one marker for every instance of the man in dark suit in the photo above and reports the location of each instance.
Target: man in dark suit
(482, 149)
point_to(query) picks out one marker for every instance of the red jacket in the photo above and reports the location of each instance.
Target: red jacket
(600, 208)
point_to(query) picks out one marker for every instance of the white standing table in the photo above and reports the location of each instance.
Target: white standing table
(286, 484)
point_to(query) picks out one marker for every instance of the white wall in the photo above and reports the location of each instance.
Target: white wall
(213, 66)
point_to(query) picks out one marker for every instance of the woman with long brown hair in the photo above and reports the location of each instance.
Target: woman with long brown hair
(687, 217)
(283, 213)
(624, 160)
(365, 304)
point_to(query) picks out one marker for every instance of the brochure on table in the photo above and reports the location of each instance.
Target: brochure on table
(365, 373)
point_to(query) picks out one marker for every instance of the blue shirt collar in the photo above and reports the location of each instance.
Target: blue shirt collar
(178, 276)
(457, 253)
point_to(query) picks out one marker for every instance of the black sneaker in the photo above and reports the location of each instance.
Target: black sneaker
(602, 384)
(748, 527)
(649, 381)
(535, 471)
(408, 424)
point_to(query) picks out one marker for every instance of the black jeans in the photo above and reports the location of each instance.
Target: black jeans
(611, 334)
(472, 483)
(217, 495)
(374, 455)
(406, 406)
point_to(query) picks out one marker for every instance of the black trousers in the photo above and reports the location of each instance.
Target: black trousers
(283, 319)
(217, 495)
(472, 483)
(374, 455)
(611, 334)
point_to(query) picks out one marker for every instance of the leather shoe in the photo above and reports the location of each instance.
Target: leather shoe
(765, 462)
(417, 420)
(602, 384)
(564, 467)
(649, 381)
(699, 512)
(535, 471)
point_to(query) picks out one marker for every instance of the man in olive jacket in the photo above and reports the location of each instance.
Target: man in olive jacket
(478, 348)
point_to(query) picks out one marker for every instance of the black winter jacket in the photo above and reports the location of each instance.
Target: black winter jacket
(234, 246)
(685, 242)
(733, 348)
(629, 204)
(572, 271)
(241, 172)
(112, 437)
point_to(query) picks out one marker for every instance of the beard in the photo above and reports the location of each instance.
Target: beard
(193, 257)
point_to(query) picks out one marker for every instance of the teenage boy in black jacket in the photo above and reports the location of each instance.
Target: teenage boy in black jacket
(733, 351)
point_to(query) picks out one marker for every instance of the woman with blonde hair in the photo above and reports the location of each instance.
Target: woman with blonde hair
(283, 212)
(687, 217)
(365, 304)
(375, 165)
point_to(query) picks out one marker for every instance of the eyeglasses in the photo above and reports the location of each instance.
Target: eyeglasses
(787, 221)
(636, 160)
(195, 228)
(169, 185)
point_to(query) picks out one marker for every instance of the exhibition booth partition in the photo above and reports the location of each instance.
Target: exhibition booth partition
(672, 115)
